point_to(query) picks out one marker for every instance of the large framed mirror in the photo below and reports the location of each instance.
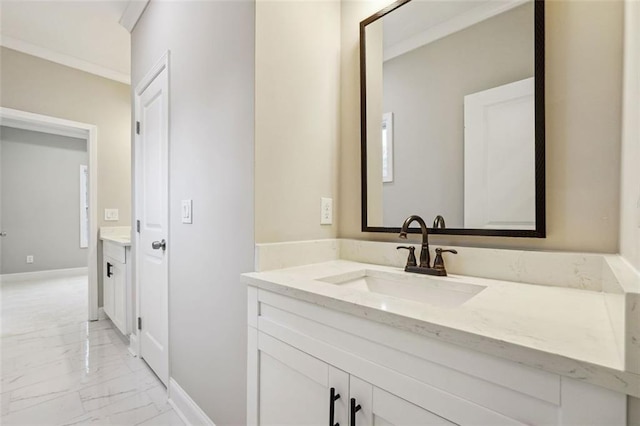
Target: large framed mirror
(452, 117)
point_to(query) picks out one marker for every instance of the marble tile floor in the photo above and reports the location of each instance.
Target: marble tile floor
(56, 368)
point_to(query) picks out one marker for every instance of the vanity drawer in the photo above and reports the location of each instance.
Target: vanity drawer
(114, 251)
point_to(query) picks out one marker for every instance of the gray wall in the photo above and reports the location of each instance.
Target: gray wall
(211, 151)
(425, 90)
(40, 200)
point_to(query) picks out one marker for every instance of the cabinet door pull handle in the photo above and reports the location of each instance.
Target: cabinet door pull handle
(354, 409)
(333, 397)
(109, 272)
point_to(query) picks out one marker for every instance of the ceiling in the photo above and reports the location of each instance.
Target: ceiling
(84, 34)
(420, 22)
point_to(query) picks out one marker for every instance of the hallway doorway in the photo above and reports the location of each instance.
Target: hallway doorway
(19, 264)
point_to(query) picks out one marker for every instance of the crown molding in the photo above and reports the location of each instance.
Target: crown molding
(132, 13)
(63, 59)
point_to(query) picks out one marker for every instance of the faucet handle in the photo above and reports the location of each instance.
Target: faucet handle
(440, 250)
(438, 263)
(411, 260)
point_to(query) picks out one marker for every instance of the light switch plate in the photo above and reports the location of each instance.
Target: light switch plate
(326, 211)
(187, 211)
(29, 259)
(110, 214)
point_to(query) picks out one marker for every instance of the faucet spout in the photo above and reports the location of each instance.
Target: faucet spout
(425, 258)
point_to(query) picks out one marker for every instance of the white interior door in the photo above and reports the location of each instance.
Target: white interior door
(499, 157)
(151, 193)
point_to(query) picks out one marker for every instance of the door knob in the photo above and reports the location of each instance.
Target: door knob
(3, 234)
(157, 245)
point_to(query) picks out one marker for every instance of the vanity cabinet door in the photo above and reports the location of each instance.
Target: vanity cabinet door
(118, 280)
(381, 408)
(295, 388)
(114, 291)
(107, 286)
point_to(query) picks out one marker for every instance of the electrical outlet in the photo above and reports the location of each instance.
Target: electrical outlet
(326, 211)
(111, 214)
(29, 259)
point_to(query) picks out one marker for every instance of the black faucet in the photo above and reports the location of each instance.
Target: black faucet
(438, 222)
(425, 258)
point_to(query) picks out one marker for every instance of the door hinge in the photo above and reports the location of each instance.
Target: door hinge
(137, 127)
(139, 323)
(138, 226)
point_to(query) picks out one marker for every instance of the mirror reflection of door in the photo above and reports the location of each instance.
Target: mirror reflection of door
(499, 180)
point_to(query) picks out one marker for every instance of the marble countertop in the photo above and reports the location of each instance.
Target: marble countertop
(120, 235)
(122, 240)
(561, 330)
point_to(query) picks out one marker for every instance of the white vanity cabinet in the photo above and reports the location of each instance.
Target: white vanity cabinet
(298, 351)
(297, 388)
(116, 285)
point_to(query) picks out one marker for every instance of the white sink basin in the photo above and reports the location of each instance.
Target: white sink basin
(425, 289)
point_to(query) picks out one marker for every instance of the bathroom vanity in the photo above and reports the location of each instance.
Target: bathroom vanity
(452, 129)
(411, 349)
(117, 292)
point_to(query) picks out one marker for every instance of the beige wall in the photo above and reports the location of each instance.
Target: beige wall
(297, 118)
(352, 12)
(35, 85)
(584, 71)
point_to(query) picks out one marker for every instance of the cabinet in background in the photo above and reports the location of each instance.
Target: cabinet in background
(116, 285)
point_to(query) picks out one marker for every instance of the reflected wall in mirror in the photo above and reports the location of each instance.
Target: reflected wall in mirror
(452, 97)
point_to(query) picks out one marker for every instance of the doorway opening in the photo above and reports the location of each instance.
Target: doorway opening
(87, 202)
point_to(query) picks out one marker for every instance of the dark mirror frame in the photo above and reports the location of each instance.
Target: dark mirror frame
(539, 79)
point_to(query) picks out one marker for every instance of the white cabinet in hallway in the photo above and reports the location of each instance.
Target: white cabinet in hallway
(116, 284)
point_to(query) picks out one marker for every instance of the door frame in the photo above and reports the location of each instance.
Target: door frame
(59, 126)
(161, 65)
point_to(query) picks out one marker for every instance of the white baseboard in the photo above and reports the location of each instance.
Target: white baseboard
(102, 315)
(43, 275)
(185, 407)
(133, 344)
